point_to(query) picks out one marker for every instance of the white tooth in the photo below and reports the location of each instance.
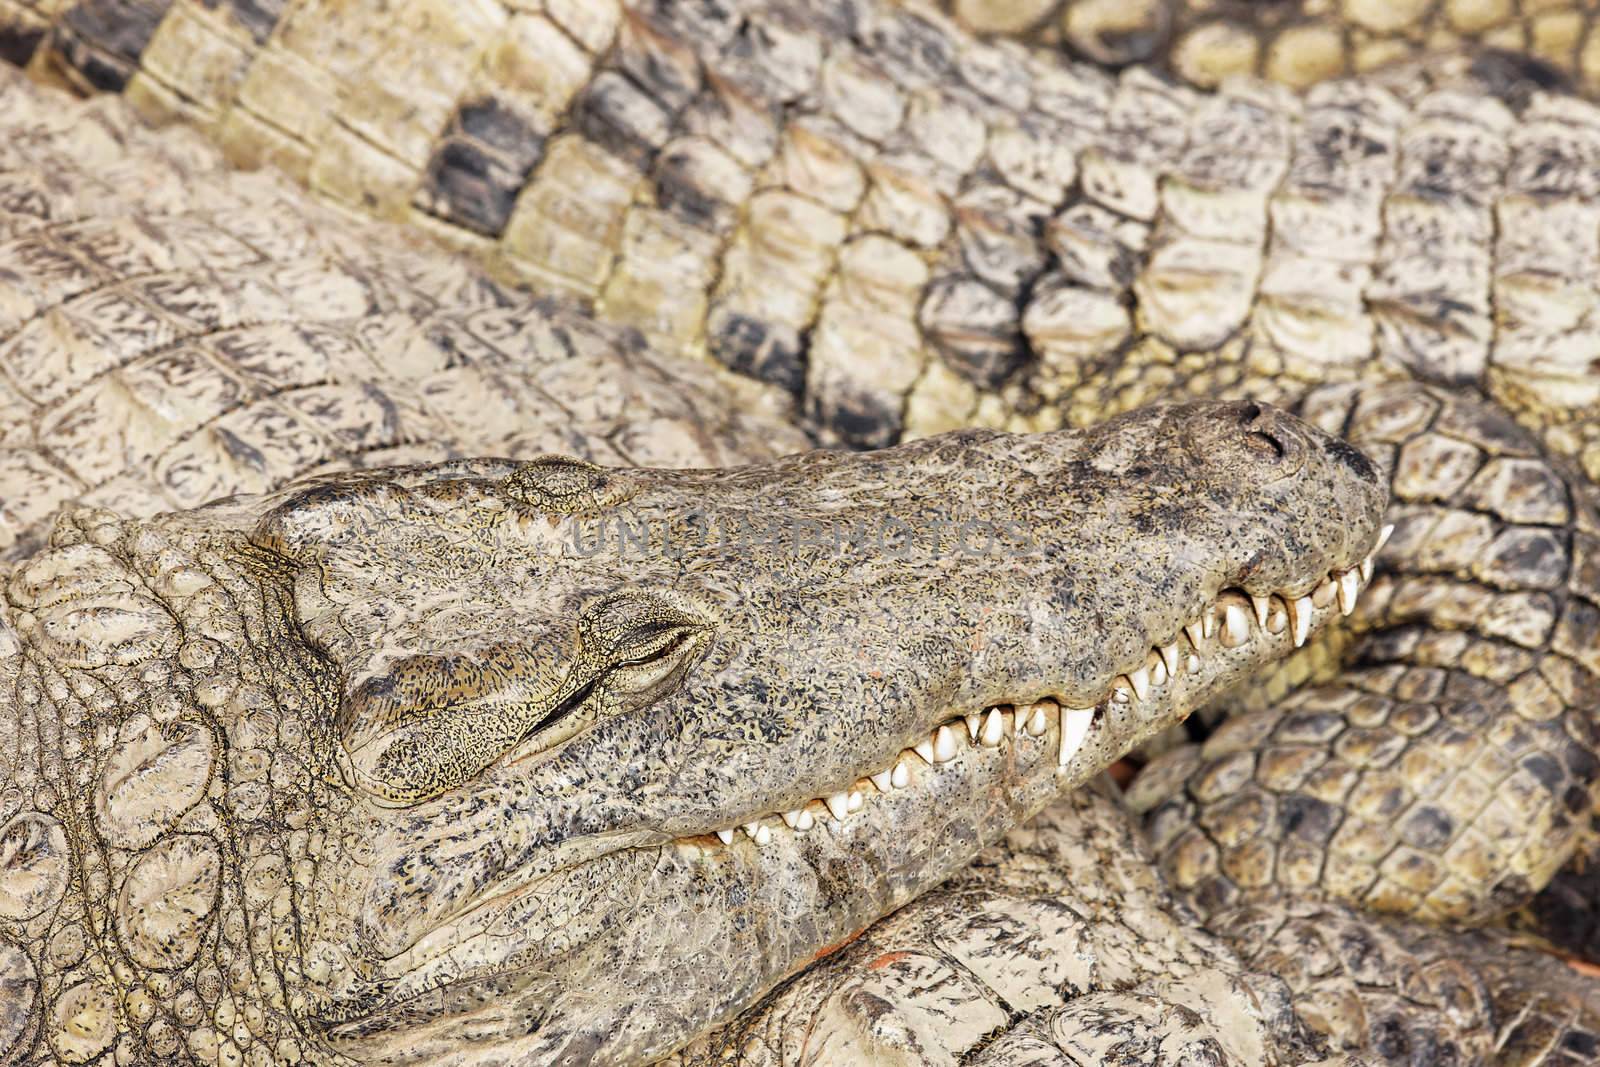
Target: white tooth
(759, 833)
(1208, 622)
(924, 748)
(1193, 663)
(883, 780)
(1235, 626)
(944, 744)
(1038, 722)
(1196, 634)
(1262, 604)
(792, 818)
(900, 777)
(994, 728)
(1169, 656)
(806, 820)
(1323, 594)
(1366, 569)
(1158, 671)
(974, 722)
(856, 800)
(1300, 619)
(1277, 621)
(1139, 678)
(1120, 694)
(838, 805)
(1075, 723)
(1383, 538)
(1349, 586)
(726, 836)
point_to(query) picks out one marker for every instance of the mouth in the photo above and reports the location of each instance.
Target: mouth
(897, 828)
(1234, 633)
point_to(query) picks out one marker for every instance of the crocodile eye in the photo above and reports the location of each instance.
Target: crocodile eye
(429, 724)
(647, 645)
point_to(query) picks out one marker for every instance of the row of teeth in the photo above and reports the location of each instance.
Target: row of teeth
(1228, 620)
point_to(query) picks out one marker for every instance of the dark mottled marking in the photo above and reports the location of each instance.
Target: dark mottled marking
(760, 350)
(18, 42)
(1546, 770)
(466, 186)
(1427, 828)
(1307, 818)
(260, 17)
(103, 39)
(862, 421)
(240, 449)
(1515, 77)
(617, 115)
(492, 123)
(478, 171)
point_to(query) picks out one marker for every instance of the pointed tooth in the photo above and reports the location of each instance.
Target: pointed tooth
(1120, 694)
(1038, 720)
(857, 800)
(994, 728)
(1169, 656)
(1208, 621)
(974, 723)
(1277, 620)
(806, 820)
(1349, 586)
(726, 836)
(1157, 668)
(1139, 679)
(1324, 593)
(883, 780)
(1300, 619)
(900, 777)
(1235, 626)
(1075, 723)
(1366, 569)
(924, 748)
(1261, 604)
(791, 819)
(1196, 633)
(763, 834)
(1383, 538)
(944, 744)
(838, 805)
(1192, 663)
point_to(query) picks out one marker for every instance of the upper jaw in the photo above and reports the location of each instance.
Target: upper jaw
(721, 820)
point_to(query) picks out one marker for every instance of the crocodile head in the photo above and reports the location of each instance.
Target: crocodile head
(545, 762)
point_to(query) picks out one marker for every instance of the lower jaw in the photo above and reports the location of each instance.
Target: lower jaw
(715, 926)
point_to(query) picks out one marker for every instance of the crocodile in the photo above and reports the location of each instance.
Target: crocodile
(909, 229)
(1498, 589)
(277, 789)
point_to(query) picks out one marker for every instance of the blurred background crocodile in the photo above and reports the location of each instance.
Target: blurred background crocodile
(905, 230)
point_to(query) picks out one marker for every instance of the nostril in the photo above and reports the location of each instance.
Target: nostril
(1250, 411)
(1266, 445)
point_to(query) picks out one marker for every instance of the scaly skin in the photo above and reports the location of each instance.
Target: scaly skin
(913, 230)
(1297, 43)
(1529, 299)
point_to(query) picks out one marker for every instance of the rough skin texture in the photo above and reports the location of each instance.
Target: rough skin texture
(912, 230)
(1294, 42)
(1487, 621)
